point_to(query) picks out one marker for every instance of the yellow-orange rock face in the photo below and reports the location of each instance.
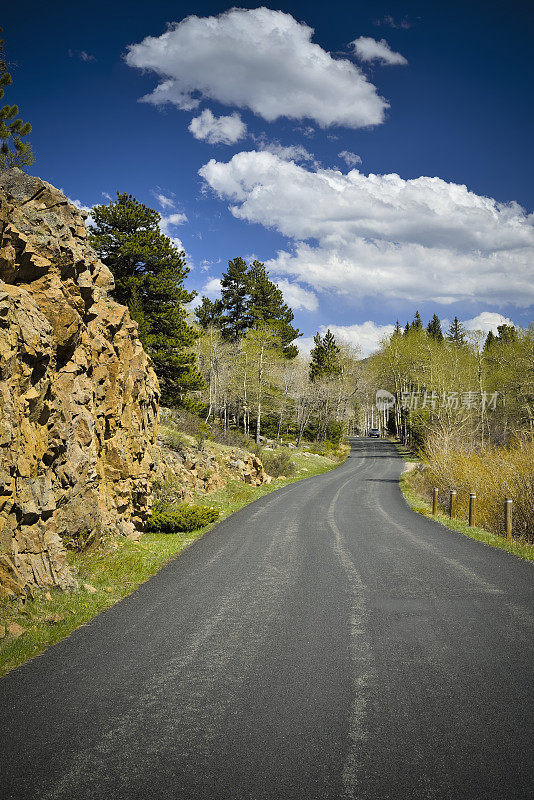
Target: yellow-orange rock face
(78, 395)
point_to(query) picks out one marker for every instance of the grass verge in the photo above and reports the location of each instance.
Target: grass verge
(421, 506)
(118, 566)
(406, 453)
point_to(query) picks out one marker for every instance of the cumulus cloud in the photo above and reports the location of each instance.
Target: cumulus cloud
(212, 288)
(368, 49)
(487, 321)
(366, 336)
(296, 297)
(258, 59)
(350, 159)
(218, 130)
(420, 239)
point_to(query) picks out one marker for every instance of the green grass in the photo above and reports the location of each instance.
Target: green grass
(405, 452)
(118, 566)
(421, 506)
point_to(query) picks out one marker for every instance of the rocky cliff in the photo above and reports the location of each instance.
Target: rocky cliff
(78, 396)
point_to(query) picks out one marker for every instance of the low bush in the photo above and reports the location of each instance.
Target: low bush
(278, 463)
(173, 439)
(182, 518)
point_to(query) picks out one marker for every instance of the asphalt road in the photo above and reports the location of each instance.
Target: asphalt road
(323, 643)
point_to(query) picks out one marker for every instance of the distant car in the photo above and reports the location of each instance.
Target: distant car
(374, 433)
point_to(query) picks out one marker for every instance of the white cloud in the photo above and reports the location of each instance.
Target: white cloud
(305, 345)
(79, 205)
(292, 152)
(366, 336)
(81, 54)
(486, 321)
(420, 239)
(215, 130)
(350, 159)
(212, 288)
(106, 196)
(164, 201)
(369, 49)
(179, 245)
(171, 221)
(296, 297)
(388, 20)
(259, 59)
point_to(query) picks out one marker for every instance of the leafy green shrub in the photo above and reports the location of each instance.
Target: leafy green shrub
(183, 518)
(278, 463)
(174, 439)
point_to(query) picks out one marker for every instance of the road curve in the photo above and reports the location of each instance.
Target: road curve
(323, 643)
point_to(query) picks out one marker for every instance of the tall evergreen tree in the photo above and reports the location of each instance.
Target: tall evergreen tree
(324, 356)
(149, 272)
(417, 324)
(434, 329)
(490, 339)
(456, 332)
(12, 128)
(407, 329)
(266, 305)
(234, 293)
(398, 329)
(210, 312)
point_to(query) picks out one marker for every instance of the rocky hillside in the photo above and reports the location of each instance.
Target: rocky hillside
(78, 396)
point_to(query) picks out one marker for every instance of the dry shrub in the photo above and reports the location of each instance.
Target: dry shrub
(493, 474)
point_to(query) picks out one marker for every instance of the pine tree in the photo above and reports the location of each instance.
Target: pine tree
(12, 128)
(324, 357)
(398, 330)
(209, 312)
(434, 329)
(149, 272)
(417, 324)
(407, 329)
(456, 332)
(234, 292)
(506, 334)
(490, 340)
(266, 305)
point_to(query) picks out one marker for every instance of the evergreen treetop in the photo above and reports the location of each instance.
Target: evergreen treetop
(490, 340)
(324, 357)
(506, 334)
(434, 329)
(456, 332)
(209, 312)
(249, 298)
(149, 271)
(12, 128)
(234, 295)
(417, 324)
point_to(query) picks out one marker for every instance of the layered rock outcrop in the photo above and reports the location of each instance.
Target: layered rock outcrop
(78, 395)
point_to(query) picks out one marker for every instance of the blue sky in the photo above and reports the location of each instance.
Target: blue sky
(437, 96)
